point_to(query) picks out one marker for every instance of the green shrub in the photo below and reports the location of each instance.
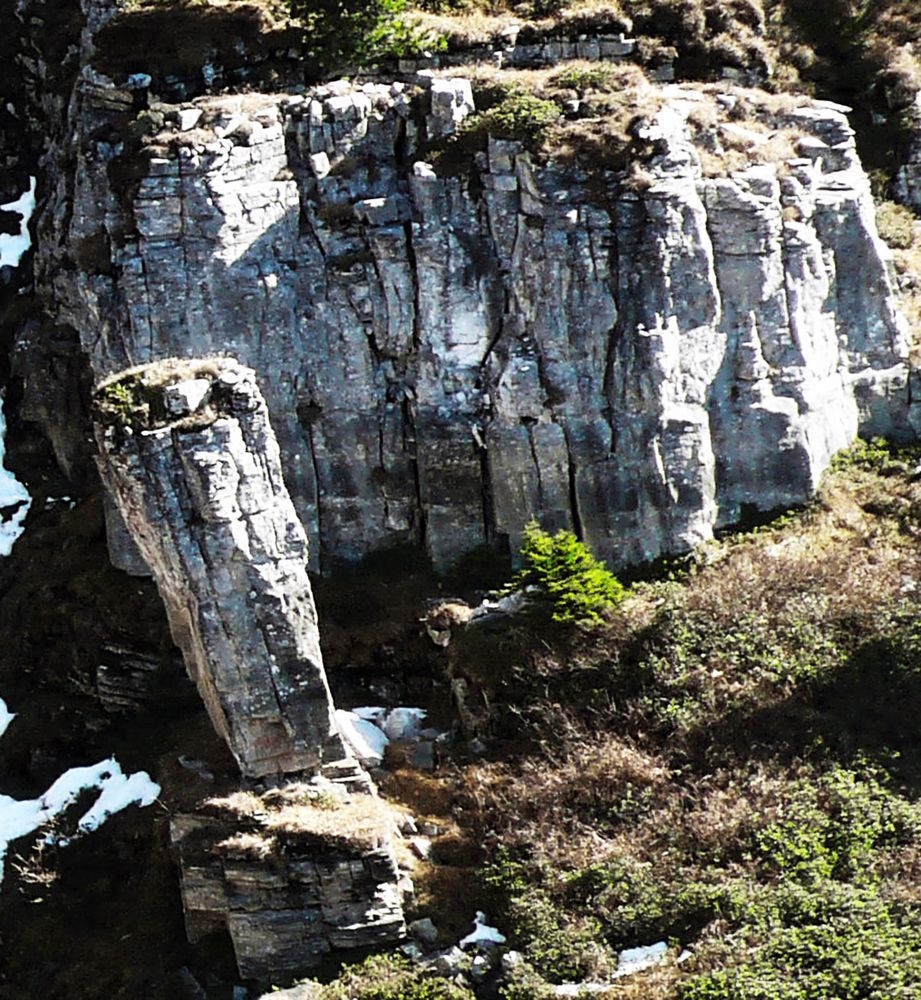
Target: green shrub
(565, 573)
(391, 977)
(519, 116)
(525, 984)
(342, 33)
(556, 946)
(583, 78)
(831, 827)
(871, 954)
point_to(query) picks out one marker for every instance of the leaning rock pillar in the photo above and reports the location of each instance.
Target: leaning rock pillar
(187, 452)
(300, 862)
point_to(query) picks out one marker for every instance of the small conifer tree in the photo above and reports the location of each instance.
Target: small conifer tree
(578, 587)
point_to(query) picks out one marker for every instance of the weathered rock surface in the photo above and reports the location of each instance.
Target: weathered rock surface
(196, 474)
(445, 357)
(187, 452)
(908, 179)
(286, 891)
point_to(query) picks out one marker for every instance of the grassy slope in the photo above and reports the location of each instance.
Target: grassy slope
(731, 764)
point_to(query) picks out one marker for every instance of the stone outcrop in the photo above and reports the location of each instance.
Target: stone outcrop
(187, 451)
(446, 354)
(908, 178)
(287, 889)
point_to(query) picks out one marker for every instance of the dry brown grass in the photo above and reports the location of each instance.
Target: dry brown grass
(908, 267)
(425, 795)
(466, 28)
(274, 12)
(299, 810)
(483, 23)
(170, 370)
(840, 554)
(248, 845)
(554, 799)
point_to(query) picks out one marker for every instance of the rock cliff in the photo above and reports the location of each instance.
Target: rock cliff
(448, 353)
(187, 451)
(908, 179)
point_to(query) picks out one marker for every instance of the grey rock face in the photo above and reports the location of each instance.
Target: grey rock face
(286, 894)
(908, 179)
(446, 356)
(187, 453)
(202, 493)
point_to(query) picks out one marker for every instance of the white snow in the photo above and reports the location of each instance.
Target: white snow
(6, 716)
(19, 818)
(369, 728)
(404, 723)
(365, 739)
(629, 961)
(581, 989)
(372, 713)
(12, 247)
(12, 492)
(636, 959)
(482, 933)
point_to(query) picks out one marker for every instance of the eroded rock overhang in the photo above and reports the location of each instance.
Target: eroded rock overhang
(300, 860)
(187, 451)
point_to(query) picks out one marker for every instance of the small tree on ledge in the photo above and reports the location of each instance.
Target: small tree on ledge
(579, 587)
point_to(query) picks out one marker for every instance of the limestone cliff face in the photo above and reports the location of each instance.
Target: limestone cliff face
(446, 354)
(188, 454)
(908, 179)
(446, 357)
(201, 490)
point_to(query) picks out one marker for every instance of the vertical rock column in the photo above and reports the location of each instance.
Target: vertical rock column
(187, 452)
(291, 872)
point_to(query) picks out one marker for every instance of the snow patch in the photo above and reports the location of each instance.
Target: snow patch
(365, 739)
(12, 247)
(6, 716)
(117, 790)
(15, 500)
(637, 959)
(369, 728)
(629, 962)
(482, 933)
(372, 713)
(404, 723)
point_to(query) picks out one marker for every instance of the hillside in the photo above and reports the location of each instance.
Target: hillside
(366, 291)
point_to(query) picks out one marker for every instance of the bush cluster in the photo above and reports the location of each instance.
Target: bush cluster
(896, 225)
(344, 33)
(391, 977)
(518, 116)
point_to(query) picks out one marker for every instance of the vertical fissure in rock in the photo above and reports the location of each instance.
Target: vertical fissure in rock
(412, 450)
(486, 489)
(573, 487)
(315, 465)
(413, 265)
(536, 461)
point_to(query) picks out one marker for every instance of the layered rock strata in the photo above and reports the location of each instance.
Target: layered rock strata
(447, 354)
(291, 874)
